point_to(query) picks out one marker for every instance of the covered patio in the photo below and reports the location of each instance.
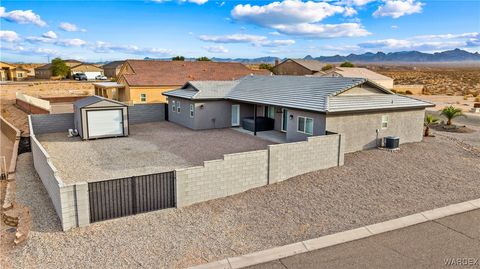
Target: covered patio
(110, 90)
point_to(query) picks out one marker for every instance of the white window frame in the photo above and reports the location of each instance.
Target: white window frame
(304, 119)
(174, 108)
(384, 123)
(141, 97)
(192, 111)
(178, 106)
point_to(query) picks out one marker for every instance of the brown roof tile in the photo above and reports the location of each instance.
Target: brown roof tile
(156, 72)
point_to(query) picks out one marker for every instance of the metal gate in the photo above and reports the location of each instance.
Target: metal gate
(131, 195)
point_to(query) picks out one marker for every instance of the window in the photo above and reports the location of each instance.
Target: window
(173, 106)
(269, 112)
(192, 110)
(20, 75)
(178, 106)
(305, 125)
(384, 122)
(143, 97)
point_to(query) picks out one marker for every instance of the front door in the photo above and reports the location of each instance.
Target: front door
(284, 119)
(235, 115)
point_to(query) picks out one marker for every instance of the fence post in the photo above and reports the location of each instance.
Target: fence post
(134, 195)
(82, 204)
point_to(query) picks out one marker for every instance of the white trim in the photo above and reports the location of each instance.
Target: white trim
(304, 125)
(281, 126)
(192, 111)
(237, 122)
(385, 120)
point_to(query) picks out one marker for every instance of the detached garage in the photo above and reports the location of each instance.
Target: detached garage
(98, 117)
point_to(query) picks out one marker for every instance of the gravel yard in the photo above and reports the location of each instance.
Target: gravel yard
(150, 148)
(373, 186)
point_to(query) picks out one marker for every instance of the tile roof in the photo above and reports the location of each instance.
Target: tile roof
(157, 73)
(320, 94)
(313, 65)
(359, 72)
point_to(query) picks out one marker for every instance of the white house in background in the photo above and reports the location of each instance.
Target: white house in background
(357, 72)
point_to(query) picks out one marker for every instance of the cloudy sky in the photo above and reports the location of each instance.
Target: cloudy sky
(34, 31)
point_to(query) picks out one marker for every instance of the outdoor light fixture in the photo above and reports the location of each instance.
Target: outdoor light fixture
(291, 116)
(201, 106)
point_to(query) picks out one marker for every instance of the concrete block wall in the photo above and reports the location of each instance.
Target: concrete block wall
(140, 113)
(292, 159)
(236, 173)
(70, 201)
(52, 123)
(13, 135)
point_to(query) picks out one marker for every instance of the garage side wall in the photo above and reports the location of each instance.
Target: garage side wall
(360, 128)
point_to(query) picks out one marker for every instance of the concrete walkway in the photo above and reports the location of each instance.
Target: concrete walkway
(448, 242)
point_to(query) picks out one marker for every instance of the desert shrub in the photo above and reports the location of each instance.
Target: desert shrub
(409, 92)
(475, 94)
(266, 66)
(394, 91)
(465, 97)
(477, 99)
(347, 64)
(327, 67)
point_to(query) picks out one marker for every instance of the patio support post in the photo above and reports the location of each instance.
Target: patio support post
(255, 119)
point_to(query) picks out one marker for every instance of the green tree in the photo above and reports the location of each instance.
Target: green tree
(429, 121)
(327, 67)
(203, 59)
(347, 64)
(59, 68)
(266, 66)
(451, 112)
(178, 58)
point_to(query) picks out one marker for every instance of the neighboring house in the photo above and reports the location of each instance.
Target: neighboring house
(300, 107)
(90, 70)
(298, 67)
(144, 81)
(44, 72)
(112, 69)
(11, 72)
(357, 72)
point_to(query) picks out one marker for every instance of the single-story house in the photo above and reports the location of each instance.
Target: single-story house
(112, 69)
(357, 72)
(300, 107)
(12, 72)
(144, 81)
(98, 117)
(44, 72)
(298, 67)
(90, 70)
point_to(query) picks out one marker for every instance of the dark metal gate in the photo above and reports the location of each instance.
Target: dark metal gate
(131, 195)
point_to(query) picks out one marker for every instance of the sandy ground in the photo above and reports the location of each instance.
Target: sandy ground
(442, 101)
(150, 148)
(373, 186)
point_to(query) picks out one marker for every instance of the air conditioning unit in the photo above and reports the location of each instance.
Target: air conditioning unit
(391, 142)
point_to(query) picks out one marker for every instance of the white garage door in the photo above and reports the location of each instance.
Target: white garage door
(104, 123)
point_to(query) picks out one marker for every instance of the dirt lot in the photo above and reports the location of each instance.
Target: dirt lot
(446, 81)
(150, 148)
(373, 186)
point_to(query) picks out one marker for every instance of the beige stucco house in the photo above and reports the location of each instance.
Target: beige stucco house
(358, 72)
(12, 72)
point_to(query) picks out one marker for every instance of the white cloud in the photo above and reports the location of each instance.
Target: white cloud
(357, 2)
(275, 33)
(9, 36)
(75, 42)
(104, 47)
(50, 34)
(398, 8)
(448, 36)
(30, 51)
(234, 38)
(298, 18)
(350, 11)
(256, 40)
(70, 27)
(285, 12)
(324, 30)
(394, 26)
(216, 49)
(22, 17)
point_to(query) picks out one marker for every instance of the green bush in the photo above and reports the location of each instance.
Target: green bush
(347, 64)
(408, 92)
(327, 67)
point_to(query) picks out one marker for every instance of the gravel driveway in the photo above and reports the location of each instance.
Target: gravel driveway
(150, 148)
(373, 186)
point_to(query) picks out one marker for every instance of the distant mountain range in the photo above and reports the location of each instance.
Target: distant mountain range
(456, 55)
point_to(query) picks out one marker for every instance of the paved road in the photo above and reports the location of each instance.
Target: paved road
(427, 245)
